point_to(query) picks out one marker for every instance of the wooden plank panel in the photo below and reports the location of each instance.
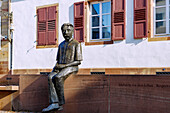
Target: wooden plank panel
(79, 18)
(118, 19)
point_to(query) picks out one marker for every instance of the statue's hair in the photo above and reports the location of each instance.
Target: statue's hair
(66, 24)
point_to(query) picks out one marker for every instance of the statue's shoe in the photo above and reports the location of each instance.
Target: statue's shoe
(51, 107)
(60, 108)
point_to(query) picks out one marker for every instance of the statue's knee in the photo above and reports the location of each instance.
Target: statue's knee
(59, 79)
(50, 77)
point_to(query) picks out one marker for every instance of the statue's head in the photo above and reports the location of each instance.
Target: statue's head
(67, 30)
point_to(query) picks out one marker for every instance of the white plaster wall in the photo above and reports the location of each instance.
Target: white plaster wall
(0, 33)
(25, 54)
(126, 53)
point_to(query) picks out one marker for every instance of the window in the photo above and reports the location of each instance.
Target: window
(161, 17)
(47, 26)
(100, 21)
(159, 23)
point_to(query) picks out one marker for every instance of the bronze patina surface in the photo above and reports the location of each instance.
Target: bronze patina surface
(68, 58)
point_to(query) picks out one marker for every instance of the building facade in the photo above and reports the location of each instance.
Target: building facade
(117, 36)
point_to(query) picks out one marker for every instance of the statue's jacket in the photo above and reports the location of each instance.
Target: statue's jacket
(69, 52)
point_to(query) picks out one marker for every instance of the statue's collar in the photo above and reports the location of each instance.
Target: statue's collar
(69, 40)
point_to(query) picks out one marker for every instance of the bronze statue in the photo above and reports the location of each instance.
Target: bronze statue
(68, 58)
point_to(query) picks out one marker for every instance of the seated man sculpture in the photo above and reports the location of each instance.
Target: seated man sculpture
(68, 58)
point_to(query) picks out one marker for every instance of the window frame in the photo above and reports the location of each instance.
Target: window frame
(152, 36)
(100, 22)
(166, 20)
(57, 23)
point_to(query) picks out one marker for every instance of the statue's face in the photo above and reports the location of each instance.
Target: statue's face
(67, 32)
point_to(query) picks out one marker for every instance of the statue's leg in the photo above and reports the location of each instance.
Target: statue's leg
(59, 79)
(53, 98)
(60, 90)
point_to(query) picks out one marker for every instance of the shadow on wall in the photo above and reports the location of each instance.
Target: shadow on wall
(116, 94)
(83, 94)
(71, 14)
(134, 41)
(16, 0)
(6, 96)
(32, 94)
(86, 94)
(98, 94)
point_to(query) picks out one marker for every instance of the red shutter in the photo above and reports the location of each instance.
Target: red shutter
(51, 33)
(79, 21)
(41, 14)
(140, 19)
(118, 19)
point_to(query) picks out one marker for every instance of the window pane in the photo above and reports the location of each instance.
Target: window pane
(160, 27)
(106, 20)
(95, 33)
(106, 31)
(95, 21)
(106, 7)
(160, 2)
(95, 9)
(160, 13)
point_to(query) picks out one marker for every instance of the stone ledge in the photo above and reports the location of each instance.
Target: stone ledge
(9, 88)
